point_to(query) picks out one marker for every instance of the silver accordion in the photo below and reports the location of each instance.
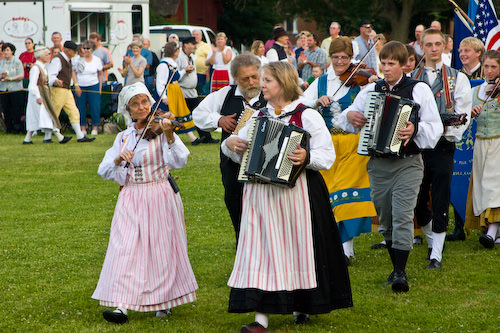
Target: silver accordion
(385, 114)
(269, 142)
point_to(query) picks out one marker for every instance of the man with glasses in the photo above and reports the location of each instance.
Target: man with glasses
(363, 43)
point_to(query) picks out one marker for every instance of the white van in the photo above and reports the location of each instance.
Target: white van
(158, 35)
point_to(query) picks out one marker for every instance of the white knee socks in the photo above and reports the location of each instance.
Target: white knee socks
(262, 318)
(349, 248)
(492, 230)
(427, 229)
(437, 245)
(78, 130)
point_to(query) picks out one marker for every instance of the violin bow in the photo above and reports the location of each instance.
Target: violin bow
(150, 117)
(355, 70)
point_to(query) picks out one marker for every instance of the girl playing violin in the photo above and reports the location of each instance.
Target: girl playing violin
(347, 179)
(139, 272)
(485, 189)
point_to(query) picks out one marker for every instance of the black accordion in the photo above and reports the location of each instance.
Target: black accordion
(385, 114)
(269, 142)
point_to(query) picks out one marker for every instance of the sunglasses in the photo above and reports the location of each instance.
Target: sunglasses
(368, 26)
(86, 48)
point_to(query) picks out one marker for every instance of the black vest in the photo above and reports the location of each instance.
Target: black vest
(403, 89)
(280, 50)
(235, 104)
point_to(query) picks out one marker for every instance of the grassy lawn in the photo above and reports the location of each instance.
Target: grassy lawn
(55, 214)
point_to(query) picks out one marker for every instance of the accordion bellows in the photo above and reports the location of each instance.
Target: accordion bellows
(270, 141)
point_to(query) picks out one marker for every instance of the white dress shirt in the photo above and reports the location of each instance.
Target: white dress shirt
(207, 114)
(430, 127)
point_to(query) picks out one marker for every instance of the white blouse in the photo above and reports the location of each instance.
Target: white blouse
(322, 152)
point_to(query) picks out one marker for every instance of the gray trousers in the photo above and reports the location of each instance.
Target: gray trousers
(395, 184)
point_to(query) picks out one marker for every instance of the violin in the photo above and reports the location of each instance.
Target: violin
(357, 75)
(493, 88)
(154, 128)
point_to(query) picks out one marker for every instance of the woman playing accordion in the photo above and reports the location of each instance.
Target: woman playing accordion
(286, 233)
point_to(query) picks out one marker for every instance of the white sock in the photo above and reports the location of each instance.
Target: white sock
(349, 248)
(48, 135)
(492, 230)
(427, 229)
(78, 130)
(123, 310)
(27, 138)
(437, 245)
(262, 318)
(58, 134)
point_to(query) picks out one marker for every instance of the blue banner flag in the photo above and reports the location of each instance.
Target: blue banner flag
(461, 30)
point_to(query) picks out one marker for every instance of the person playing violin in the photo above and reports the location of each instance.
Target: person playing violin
(347, 179)
(485, 188)
(139, 272)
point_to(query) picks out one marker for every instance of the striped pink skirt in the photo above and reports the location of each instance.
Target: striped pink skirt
(147, 266)
(275, 248)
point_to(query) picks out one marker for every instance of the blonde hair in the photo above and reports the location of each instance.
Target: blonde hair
(221, 34)
(473, 43)
(287, 78)
(256, 45)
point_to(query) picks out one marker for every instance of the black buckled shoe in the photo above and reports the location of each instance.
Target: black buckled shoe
(400, 282)
(434, 264)
(487, 241)
(115, 316)
(85, 139)
(301, 318)
(65, 139)
(47, 141)
(390, 279)
(27, 142)
(456, 236)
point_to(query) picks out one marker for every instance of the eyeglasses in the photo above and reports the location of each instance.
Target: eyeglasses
(135, 105)
(343, 58)
(368, 26)
(86, 48)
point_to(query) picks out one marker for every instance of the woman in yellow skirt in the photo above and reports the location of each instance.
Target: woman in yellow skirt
(347, 180)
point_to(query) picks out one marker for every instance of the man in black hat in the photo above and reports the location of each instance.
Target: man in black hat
(188, 82)
(60, 73)
(362, 44)
(277, 51)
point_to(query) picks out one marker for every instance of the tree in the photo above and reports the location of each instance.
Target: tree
(392, 16)
(247, 20)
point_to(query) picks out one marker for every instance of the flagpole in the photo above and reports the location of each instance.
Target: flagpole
(462, 12)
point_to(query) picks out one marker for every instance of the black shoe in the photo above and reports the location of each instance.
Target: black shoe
(115, 317)
(378, 246)
(254, 327)
(434, 264)
(211, 140)
(47, 141)
(456, 236)
(27, 142)
(196, 142)
(400, 282)
(390, 279)
(487, 241)
(300, 319)
(85, 139)
(65, 139)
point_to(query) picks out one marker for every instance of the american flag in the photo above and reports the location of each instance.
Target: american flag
(486, 27)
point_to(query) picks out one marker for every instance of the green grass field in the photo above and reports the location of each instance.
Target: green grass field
(55, 214)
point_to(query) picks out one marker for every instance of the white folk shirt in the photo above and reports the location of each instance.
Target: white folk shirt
(206, 116)
(322, 152)
(174, 155)
(163, 74)
(430, 127)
